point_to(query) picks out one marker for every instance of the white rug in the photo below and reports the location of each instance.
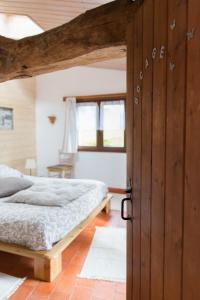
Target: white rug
(8, 285)
(106, 259)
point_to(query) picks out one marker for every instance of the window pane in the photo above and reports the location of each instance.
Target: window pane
(113, 138)
(112, 115)
(87, 124)
(113, 123)
(87, 138)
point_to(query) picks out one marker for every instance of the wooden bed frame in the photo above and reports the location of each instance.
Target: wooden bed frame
(48, 264)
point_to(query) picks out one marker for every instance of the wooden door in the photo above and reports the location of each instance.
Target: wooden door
(163, 144)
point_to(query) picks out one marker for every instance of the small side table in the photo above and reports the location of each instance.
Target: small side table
(62, 171)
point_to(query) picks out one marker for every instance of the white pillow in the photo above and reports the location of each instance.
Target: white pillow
(6, 171)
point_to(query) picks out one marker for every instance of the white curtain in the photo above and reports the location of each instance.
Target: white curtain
(70, 139)
(112, 115)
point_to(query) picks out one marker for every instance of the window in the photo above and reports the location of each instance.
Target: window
(18, 26)
(101, 123)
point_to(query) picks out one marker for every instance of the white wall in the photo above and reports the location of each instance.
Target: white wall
(79, 81)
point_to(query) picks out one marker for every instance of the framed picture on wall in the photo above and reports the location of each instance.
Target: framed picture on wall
(6, 118)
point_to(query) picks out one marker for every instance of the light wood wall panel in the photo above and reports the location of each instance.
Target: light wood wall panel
(164, 150)
(20, 143)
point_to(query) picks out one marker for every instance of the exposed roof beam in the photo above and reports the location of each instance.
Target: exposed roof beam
(98, 34)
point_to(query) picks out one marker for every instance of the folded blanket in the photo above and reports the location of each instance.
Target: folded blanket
(51, 194)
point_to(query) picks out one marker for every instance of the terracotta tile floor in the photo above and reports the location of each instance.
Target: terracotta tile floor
(67, 285)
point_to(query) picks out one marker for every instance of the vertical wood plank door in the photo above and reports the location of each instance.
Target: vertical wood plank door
(146, 184)
(158, 149)
(163, 151)
(129, 145)
(175, 152)
(191, 225)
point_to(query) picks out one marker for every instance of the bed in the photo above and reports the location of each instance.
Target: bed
(43, 232)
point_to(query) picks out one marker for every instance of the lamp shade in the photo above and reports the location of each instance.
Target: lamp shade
(30, 164)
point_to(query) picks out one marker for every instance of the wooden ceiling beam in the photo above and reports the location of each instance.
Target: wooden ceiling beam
(98, 34)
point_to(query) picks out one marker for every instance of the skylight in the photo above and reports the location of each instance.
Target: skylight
(18, 27)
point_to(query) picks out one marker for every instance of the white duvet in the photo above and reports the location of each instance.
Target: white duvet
(39, 227)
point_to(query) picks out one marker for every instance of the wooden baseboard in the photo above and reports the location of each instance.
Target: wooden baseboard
(116, 190)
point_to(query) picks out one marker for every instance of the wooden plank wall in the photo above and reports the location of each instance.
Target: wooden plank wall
(164, 61)
(18, 144)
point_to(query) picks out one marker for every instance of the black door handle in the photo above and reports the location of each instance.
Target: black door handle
(128, 218)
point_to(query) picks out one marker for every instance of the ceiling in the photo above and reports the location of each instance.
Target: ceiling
(52, 13)
(49, 13)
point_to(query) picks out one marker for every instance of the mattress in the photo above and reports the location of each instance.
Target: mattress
(39, 227)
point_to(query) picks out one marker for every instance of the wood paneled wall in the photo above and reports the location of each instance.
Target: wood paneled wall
(164, 113)
(18, 144)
